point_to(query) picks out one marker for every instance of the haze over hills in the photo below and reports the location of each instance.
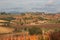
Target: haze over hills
(19, 10)
(30, 5)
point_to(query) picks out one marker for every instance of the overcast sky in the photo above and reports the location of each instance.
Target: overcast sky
(30, 5)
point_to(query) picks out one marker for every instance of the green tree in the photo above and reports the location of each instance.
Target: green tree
(22, 14)
(35, 30)
(41, 18)
(8, 19)
(3, 13)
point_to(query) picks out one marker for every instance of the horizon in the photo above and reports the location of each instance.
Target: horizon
(30, 6)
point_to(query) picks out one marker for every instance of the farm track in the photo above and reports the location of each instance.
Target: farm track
(44, 25)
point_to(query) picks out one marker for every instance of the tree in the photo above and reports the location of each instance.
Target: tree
(22, 14)
(41, 18)
(3, 13)
(8, 19)
(35, 30)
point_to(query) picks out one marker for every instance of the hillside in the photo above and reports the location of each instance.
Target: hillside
(6, 30)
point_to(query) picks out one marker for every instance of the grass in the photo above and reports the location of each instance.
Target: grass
(6, 30)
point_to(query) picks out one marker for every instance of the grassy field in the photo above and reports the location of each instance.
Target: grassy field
(6, 30)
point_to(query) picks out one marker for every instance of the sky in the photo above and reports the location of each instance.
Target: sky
(30, 5)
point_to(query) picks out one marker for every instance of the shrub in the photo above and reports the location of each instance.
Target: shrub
(35, 30)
